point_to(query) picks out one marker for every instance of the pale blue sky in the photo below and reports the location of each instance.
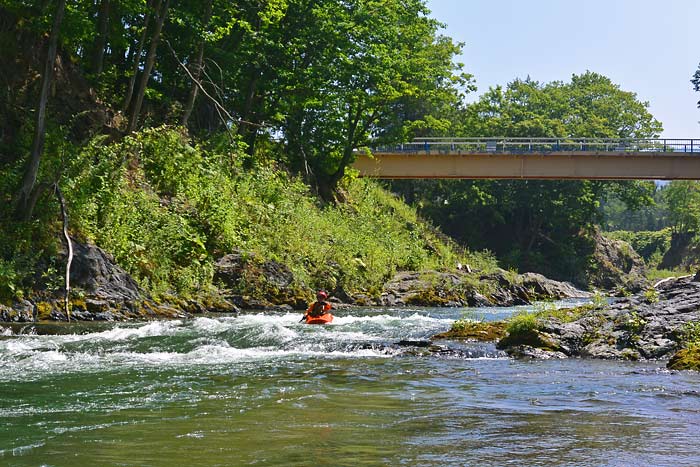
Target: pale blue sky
(650, 47)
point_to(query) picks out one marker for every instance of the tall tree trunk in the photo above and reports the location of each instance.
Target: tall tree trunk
(248, 131)
(25, 206)
(327, 186)
(137, 58)
(150, 60)
(197, 72)
(103, 32)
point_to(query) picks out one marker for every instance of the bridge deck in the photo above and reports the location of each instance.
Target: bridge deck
(529, 158)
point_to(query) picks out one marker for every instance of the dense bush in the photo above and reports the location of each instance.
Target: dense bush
(167, 209)
(651, 245)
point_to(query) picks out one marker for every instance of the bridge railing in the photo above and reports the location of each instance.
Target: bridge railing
(541, 145)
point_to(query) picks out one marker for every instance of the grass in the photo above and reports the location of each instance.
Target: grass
(167, 208)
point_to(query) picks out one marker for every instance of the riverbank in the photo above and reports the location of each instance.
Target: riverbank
(660, 323)
(106, 292)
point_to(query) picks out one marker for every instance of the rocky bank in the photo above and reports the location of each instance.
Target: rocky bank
(658, 323)
(102, 291)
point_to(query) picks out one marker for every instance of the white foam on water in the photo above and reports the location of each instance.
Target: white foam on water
(153, 329)
(20, 450)
(415, 318)
(205, 341)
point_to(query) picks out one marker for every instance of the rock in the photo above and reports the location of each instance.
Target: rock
(474, 331)
(526, 351)
(461, 288)
(617, 266)
(547, 288)
(633, 328)
(685, 359)
(682, 253)
(20, 312)
(267, 283)
(96, 273)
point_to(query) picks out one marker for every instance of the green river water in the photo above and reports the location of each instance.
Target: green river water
(265, 390)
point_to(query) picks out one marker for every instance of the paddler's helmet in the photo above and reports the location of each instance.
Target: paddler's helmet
(321, 295)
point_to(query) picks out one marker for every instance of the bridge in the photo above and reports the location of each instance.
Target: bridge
(535, 158)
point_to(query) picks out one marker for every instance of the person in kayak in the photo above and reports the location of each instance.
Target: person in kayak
(320, 307)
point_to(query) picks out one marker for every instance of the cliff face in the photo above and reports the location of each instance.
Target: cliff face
(684, 252)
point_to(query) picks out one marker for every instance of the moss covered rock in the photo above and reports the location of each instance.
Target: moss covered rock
(686, 359)
(475, 330)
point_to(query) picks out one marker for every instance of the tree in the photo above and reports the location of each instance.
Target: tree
(29, 192)
(683, 197)
(356, 64)
(161, 11)
(536, 225)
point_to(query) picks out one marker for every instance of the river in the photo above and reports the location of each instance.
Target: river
(264, 390)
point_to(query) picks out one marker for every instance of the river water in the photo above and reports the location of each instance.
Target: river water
(265, 390)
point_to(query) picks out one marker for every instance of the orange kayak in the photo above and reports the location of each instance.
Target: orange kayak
(323, 319)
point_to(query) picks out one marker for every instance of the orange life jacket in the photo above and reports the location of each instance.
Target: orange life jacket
(318, 309)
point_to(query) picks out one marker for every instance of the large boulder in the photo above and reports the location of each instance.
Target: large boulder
(460, 288)
(616, 266)
(96, 272)
(255, 283)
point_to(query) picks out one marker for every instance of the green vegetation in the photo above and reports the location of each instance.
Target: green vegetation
(688, 358)
(541, 226)
(651, 295)
(522, 322)
(651, 245)
(179, 132)
(167, 208)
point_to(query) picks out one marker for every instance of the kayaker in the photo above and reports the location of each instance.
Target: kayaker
(320, 307)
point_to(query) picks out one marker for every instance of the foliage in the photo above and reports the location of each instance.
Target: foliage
(166, 209)
(683, 197)
(616, 215)
(538, 225)
(696, 82)
(690, 334)
(634, 323)
(651, 295)
(522, 323)
(651, 245)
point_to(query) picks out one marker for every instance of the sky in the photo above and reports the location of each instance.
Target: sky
(650, 47)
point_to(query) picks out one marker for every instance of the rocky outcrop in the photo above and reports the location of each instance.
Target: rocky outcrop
(616, 266)
(253, 283)
(649, 325)
(103, 291)
(500, 288)
(683, 253)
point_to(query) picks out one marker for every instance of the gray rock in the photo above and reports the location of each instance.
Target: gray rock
(526, 351)
(94, 271)
(631, 328)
